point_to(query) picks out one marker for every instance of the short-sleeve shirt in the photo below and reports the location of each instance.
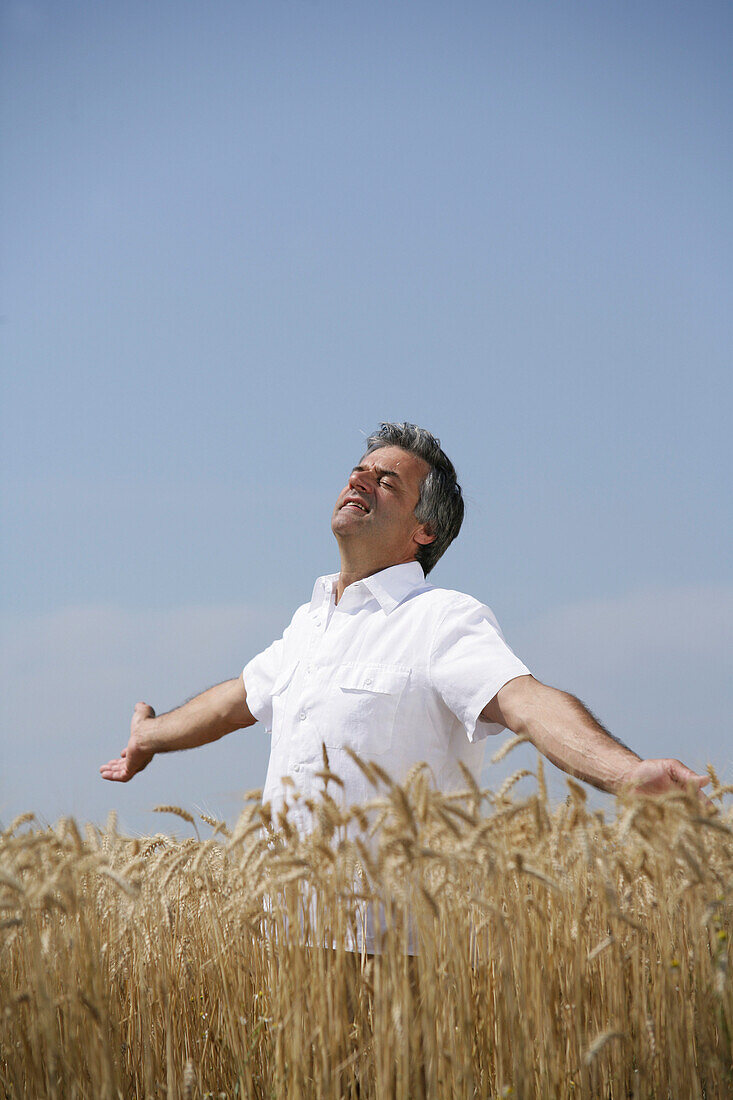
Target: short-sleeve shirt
(398, 671)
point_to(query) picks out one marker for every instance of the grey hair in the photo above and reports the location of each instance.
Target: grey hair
(440, 506)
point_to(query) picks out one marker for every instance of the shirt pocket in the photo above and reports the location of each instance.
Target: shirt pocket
(280, 692)
(364, 701)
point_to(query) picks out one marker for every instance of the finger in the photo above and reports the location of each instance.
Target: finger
(115, 769)
(684, 775)
(144, 710)
(110, 773)
(702, 781)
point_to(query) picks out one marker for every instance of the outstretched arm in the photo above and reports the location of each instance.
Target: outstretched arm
(567, 734)
(207, 717)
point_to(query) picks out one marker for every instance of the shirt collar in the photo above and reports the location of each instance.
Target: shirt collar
(389, 587)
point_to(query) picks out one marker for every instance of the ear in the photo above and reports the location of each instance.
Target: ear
(423, 536)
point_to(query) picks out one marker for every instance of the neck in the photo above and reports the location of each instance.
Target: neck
(355, 570)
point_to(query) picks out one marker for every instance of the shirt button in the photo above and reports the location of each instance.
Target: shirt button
(302, 716)
(297, 767)
(367, 681)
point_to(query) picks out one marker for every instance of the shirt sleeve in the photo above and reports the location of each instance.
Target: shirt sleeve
(470, 662)
(261, 674)
(259, 677)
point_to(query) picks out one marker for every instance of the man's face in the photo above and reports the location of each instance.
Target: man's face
(375, 512)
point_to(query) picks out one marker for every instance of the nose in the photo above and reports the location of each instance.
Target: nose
(361, 479)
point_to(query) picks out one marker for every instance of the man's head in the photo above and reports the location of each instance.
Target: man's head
(403, 504)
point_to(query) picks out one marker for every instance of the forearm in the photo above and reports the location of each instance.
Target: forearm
(565, 731)
(567, 734)
(205, 718)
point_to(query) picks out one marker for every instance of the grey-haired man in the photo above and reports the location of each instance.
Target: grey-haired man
(382, 662)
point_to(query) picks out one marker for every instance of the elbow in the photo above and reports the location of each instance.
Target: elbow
(519, 702)
(533, 707)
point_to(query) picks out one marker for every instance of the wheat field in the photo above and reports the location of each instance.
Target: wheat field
(559, 954)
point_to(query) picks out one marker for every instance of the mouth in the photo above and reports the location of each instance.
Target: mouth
(354, 504)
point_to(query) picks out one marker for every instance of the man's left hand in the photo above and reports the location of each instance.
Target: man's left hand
(658, 776)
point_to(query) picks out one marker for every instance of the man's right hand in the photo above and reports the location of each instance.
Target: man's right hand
(209, 716)
(134, 758)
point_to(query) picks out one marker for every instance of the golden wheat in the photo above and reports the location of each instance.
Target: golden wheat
(559, 954)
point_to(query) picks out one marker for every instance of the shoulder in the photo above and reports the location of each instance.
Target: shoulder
(450, 606)
(300, 611)
(449, 599)
(293, 628)
(300, 616)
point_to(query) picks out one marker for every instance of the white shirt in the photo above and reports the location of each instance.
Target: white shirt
(399, 671)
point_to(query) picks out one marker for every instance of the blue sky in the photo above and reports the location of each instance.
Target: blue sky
(236, 236)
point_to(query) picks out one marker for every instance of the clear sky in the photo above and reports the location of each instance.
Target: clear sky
(237, 235)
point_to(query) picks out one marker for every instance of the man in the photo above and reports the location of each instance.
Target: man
(383, 663)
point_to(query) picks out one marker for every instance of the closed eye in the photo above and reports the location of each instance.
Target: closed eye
(381, 474)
